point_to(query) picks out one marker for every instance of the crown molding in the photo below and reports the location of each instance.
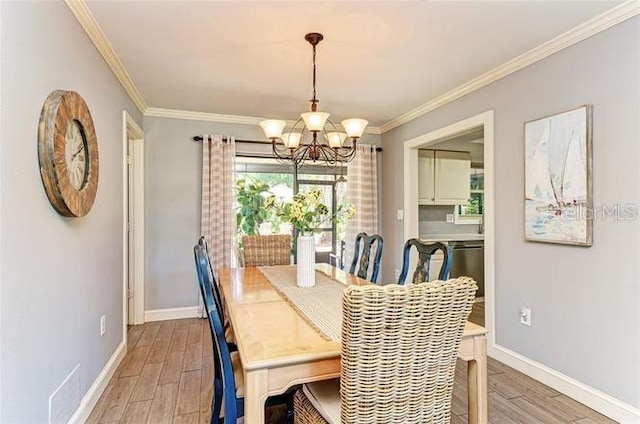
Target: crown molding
(583, 31)
(202, 116)
(218, 117)
(93, 30)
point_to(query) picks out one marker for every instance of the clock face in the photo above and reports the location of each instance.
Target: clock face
(76, 154)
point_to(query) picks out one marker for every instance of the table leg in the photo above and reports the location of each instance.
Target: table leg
(255, 395)
(477, 382)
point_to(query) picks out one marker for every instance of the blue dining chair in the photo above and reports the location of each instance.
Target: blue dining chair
(224, 378)
(363, 260)
(425, 251)
(228, 378)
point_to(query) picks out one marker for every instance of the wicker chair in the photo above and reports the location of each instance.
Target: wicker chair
(399, 350)
(267, 250)
(425, 251)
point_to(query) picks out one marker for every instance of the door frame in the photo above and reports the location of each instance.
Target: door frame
(133, 142)
(411, 226)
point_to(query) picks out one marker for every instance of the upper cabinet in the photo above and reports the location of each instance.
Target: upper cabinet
(443, 177)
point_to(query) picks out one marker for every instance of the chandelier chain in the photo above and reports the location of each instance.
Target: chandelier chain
(314, 101)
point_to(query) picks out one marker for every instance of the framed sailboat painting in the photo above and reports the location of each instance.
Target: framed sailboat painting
(558, 189)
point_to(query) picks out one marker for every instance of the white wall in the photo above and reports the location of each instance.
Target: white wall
(585, 301)
(173, 168)
(58, 275)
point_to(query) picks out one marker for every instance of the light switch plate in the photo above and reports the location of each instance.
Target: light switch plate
(450, 218)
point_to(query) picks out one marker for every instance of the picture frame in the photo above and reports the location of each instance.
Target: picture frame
(558, 178)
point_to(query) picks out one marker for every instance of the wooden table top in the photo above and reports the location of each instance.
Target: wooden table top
(269, 331)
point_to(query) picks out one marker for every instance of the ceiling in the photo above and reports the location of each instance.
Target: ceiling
(378, 59)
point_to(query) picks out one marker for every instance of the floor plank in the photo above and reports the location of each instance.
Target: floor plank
(172, 367)
(193, 418)
(116, 399)
(179, 339)
(192, 356)
(164, 402)
(149, 334)
(167, 377)
(188, 393)
(503, 411)
(136, 412)
(147, 382)
(135, 363)
(583, 410)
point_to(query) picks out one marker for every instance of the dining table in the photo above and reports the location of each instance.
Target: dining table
(279, 348)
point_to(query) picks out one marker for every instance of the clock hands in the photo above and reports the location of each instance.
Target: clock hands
(80, 149)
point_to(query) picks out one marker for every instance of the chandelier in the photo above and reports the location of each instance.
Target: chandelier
(326, 142)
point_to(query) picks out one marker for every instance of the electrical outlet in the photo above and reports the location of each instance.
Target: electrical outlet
(397, 274)
(525, 316)
(450, 218)
(103, 325)
(400, 214)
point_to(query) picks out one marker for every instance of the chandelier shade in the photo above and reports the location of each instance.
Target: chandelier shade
(313, 137)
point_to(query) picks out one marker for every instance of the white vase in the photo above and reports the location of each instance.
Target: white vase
(306, 250)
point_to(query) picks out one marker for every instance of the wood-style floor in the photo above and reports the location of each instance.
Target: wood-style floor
(166, 378)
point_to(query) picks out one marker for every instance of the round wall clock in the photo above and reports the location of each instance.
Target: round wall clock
(68, 153)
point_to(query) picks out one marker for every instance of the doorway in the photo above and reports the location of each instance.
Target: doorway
(133, 222)
(485, 121)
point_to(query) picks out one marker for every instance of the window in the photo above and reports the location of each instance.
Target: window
(281, 181)
(472, 212)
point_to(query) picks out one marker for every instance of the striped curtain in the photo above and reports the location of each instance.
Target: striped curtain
(218, 214)
(362, 193)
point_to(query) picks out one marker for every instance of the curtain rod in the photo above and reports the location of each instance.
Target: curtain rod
(199, 138)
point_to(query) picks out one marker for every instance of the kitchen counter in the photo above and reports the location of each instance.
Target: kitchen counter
(431, 238)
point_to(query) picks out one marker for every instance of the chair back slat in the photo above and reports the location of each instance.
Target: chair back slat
(425, 252)
(362, 261)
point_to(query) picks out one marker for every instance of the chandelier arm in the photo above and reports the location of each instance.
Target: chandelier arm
(325, 156)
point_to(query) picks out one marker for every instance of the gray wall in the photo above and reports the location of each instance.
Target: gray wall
(584, 301)
(173, 167)
(58, 275)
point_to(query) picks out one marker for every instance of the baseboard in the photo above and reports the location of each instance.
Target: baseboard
(173, 313)
(92, 396)
(593, 398)
(479, 299)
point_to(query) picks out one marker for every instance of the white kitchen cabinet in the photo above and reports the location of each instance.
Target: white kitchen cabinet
(443, 177)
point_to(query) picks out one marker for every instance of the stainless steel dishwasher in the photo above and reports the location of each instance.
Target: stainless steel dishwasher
(468, 260)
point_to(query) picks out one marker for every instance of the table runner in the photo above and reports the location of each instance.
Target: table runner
(321, 305)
